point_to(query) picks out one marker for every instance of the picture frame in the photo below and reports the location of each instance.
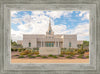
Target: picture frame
(54, 68)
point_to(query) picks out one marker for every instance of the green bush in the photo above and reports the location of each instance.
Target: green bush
(69, 56)
(87, 56)
(44, 57)
(61, 55)
(50, 55)
(70, 53)
(36, 52)
(16, 55)
(38, 56)
(31, 56)
(54, 56)
(12, 49)
(15, 49)
(21, 56)
(26, 52)
(80, 56)
(80, 51)
(19, 50)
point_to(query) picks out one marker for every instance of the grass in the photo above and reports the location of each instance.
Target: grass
(21, 56)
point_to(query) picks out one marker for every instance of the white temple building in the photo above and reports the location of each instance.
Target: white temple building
(49, 40)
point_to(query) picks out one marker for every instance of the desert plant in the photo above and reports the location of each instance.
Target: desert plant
(19, 50)
(69, 56)
(54, 56)
(38, 56)
(80, 56)
(81, 51)
(36, 52)
(44, 57)
(87, 56)
(21, 56)
(16, 55)
(12, 49)
(31, 56)
(15, 49)
(70, 53)
(50, 55)
(25, 52)
(61, 55)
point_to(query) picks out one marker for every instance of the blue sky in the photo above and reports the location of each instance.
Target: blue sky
(63, 22)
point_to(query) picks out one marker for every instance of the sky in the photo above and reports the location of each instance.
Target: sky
(62, 22)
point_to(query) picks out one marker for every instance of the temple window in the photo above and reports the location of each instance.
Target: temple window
(69, 44)
(29, 44)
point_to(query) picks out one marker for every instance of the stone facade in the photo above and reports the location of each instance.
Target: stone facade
(49, 40)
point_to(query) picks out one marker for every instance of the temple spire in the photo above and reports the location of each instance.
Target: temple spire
(49, 29)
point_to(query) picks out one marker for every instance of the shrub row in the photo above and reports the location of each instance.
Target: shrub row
(53, 56)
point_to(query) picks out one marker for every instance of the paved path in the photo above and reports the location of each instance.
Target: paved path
(49, 60)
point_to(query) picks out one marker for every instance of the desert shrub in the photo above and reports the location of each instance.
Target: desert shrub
(22, 49)
(70, 53)
(54, 56)
(25, 52)
(12, 49)
(44, 57)
(81, 51)
(80, 56)
(61, 55)
(50, 55)
(21, 56)
(38, 56)
(69, 56)
(15, 49)
(31, 56)
(87, 56)
(19, 50)
(36, 52)
(62, 52)
(16, 55)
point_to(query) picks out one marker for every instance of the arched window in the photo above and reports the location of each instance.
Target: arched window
(69, 44)
(29, 44)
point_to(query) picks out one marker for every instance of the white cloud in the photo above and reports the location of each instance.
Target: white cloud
(58, 14)
(59, 29)
(82, 31)
(36, 24)
(13, 13)
(85, 15)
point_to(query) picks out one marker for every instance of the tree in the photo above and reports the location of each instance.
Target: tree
(13, 43)
(86, 44)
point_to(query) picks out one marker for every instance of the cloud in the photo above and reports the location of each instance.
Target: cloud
(82, 31)
(58, 14)
(84, 15)
(59, 29)
(13, 13)
(38, 21)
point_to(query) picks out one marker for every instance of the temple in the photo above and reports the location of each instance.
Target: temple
(49, 40)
